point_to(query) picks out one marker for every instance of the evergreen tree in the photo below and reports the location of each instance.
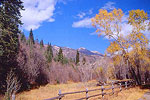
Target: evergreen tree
(23, 38)
(65, 60)
(37, 41)
(83, 60)
(41, 44)
(9, 29)
(77, 57)
(49, 53)
(60, 56)
(31, 38)
(51, 50)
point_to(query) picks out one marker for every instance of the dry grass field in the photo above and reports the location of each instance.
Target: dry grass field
(48, 91)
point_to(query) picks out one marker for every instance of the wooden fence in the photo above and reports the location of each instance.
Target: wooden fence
(114, 85)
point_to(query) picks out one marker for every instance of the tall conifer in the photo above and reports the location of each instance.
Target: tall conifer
(60, 55)
(49, 53)
(9, 30)
(31, 37)
(41, 44)
(77, 57)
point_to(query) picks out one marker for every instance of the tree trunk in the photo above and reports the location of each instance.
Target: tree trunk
(134, 75)
(138, 74)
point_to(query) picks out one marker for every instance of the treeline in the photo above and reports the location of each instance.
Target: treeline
(42, 65)
(36, 64)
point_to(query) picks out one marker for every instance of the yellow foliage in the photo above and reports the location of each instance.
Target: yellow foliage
(114, 47)
(137, 17)
(99, 69)
(133, 46)
(107, 20)
(110, 73)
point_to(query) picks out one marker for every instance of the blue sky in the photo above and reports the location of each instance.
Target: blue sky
(67, 23)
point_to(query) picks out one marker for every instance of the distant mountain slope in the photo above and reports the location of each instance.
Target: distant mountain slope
(88, 52)
(90, 56)
(69, 52)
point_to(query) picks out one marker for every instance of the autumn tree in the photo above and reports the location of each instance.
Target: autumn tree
(101, 74)
(130, 47)
(138, 41)
(110, 73)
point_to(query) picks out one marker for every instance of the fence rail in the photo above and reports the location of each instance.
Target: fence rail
(120, 84)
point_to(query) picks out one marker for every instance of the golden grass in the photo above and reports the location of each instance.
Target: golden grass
(48, 91)
(129, 94)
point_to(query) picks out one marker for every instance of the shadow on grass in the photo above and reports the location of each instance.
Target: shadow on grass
(145, 86)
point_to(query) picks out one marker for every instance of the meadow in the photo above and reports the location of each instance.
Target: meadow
(48, 91)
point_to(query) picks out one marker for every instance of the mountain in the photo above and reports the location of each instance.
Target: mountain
(90, 56)
(88, 52)
(69, 52)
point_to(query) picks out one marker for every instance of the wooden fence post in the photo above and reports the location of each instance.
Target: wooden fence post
(102, 88)
(13, 96)
(120, 87)
(144, 82)
(126, 86)
(136, 83)
(112, 87)
(87, 94)
(59, 94)
(133, 82)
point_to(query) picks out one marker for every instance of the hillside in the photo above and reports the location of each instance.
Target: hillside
(70, 53)
(37, 69)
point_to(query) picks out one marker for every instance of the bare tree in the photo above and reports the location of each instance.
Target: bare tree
(12, 85)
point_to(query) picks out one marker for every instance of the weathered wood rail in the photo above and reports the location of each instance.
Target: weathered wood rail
(120, 85)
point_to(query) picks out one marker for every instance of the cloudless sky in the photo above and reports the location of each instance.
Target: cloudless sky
(61, 32)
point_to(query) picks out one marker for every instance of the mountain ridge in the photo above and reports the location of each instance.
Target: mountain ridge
(81, 50)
